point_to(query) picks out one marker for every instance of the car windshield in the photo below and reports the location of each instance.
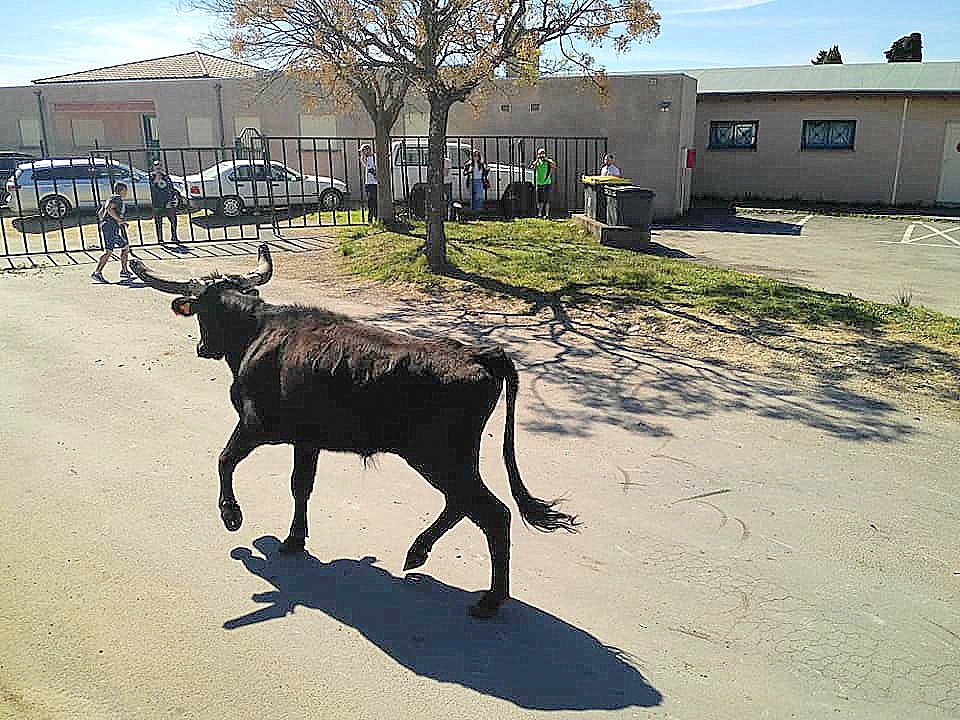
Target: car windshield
(211, 172)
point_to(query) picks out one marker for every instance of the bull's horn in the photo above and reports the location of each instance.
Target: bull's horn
(264, 270)
(190, 288)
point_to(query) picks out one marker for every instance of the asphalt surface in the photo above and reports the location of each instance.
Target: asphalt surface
(751, 548)
(876, 258)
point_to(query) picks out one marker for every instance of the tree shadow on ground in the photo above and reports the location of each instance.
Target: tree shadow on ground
(725, 220)
(39, 225)
(593, 365)
(525, 655)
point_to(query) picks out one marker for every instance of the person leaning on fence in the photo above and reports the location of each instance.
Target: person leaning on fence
(543, 171)
(163, 199)
(368, 166)
(476, 172)
(609, 167)
(113, 230)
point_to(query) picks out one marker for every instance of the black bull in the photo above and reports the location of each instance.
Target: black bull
(321, 381)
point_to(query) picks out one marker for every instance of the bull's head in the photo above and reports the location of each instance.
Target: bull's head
(214, 299)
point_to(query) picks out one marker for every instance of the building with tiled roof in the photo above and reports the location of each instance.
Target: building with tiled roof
(879, 133)
(185, 66)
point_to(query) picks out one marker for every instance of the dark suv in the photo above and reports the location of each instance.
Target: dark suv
(8, 166)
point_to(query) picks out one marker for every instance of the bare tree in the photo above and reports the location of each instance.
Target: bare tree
(451, 49)
(447, 49)
(287, 38)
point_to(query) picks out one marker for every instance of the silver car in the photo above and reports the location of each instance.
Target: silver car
(56, 187)
(234, 187)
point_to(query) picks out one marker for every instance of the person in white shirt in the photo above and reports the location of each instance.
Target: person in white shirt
(368, 166)
(609, 168)
(447, 185)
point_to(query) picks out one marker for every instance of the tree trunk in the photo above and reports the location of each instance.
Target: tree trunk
(383, 124)
(436, 245)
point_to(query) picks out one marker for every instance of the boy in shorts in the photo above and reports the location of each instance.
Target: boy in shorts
(113, 229)
(543, 170)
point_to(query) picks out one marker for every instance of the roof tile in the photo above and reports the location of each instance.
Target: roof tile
(173, 67)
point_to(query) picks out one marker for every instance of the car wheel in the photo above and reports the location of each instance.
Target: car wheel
(54, 207)
(231, 207)
(331, 199)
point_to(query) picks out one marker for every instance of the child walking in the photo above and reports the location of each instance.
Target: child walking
(113, 229)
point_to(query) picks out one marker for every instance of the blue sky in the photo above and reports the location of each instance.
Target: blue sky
(50, 37)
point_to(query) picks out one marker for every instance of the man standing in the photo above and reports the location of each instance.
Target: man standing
(163, 198)
(543, 171)
(609, 168)
(368, 167)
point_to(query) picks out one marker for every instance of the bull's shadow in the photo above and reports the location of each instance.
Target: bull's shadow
(525, 655)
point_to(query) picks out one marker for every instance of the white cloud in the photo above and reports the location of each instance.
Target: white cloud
(690, 7)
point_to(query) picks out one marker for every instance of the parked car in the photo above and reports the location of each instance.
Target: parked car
(234, 187)
(8, 166)
(56, 187)
(511, 185)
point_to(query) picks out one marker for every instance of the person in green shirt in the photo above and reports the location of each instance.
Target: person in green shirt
(543, 171)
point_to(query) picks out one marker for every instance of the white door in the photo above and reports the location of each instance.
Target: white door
(950, 170)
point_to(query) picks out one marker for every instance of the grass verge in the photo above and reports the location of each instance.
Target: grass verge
(548, 262)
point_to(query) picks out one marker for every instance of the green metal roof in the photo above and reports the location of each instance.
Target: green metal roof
(906, 78)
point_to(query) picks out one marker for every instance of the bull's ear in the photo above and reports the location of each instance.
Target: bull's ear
(184, 306)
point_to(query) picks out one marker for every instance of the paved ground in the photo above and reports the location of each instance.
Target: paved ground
(878, 258)
(872, 257)
(751, 548)
(78, 234)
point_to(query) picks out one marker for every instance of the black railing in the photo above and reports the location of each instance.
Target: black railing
(273, 182)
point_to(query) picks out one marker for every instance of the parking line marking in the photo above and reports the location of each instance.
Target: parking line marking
(942, 233)
(923, 244)
(804, 221)
(909, 238)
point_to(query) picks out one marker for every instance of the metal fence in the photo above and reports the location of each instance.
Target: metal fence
(267, 183)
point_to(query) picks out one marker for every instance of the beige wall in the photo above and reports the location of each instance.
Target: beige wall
(16, 103)
(927, 119)
(779, 169)
(646, 139)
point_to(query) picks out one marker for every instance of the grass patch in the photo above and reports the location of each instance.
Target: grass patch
(556, 262)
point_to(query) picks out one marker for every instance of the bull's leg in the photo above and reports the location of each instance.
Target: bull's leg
(241, 443)
(301, 485)
(421, 547)
(493, 518)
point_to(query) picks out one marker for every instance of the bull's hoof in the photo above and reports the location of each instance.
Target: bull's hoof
(231, 516)
(416, 557)
(292, 546)
(486, 608)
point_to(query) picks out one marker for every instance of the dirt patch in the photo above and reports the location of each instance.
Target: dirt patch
(923, 377)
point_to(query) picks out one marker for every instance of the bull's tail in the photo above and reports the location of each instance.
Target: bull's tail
(537, 513)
